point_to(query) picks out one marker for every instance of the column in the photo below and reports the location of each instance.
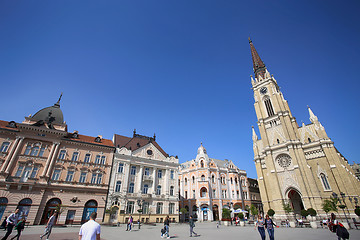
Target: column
(154, 175)
(53, 160)
(14, 145)
(125, 186)
(12, 160)
(241, 194)
(166, 182)
(139, 180)
(48, 160)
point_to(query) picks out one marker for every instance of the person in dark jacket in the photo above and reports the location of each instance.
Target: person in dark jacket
(336, 227)
(192, 225)
(3, 225)
(19, 227)
(269, 225)
(166, 228)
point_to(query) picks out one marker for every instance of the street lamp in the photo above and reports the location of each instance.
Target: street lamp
(342, 206)
(140, 202)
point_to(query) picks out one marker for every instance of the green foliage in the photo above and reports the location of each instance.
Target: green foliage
(183, 210)
(312, 212)
(357, 211)
(226, 213)
(287, 208)
(60, 208)
(253, 209)
(330, 205)
(304, 213)
(241, 216)
(271, 212)
(342, 206)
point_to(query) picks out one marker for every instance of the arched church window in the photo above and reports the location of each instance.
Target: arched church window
(269, 107)
(309, 140)
(203, 192)
(324, 181)
(202, 177)
(202, 164)
(193, 179)
(185, 181)
(278, 141)
(213, 179)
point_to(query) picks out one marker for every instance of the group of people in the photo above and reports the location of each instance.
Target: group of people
(262, 224)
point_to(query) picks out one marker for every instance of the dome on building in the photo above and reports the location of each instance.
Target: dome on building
(51, 114)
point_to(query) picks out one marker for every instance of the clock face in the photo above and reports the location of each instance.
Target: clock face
(263, 90)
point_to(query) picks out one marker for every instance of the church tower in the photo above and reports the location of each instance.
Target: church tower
(295, 164)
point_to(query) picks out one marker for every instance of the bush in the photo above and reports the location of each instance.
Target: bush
(357, 211)
(342, 206)
(226, 213)
(183, 210)
(312, 212)
(304, 213)
(271, 212)
(241, 215)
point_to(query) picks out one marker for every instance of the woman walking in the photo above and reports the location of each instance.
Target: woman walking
(192, 225)
(19, 227)
(166, 228)
(49, 226)
(269, 225)
(260, 226)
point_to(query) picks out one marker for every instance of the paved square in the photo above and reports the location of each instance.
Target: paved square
(207, 231)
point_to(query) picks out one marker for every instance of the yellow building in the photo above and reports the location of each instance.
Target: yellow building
(295, 164)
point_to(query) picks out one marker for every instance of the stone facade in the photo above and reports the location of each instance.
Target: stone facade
(356, 168)
(42, 167)
(144, 177)
(295, 164)
(208, 185)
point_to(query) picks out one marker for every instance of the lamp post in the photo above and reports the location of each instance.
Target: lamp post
(140, 202)
(342, 205)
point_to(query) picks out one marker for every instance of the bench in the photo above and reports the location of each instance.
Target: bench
(306, 223)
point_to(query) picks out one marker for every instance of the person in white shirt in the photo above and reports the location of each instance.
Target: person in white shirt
(11, 222)
(90, 230)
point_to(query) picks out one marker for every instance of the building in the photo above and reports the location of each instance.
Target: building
(295, 164)
(208, 185)
(143, 181)
(356, 168)
(254, 194)
(44, 167)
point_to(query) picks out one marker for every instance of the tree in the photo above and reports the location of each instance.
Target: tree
(312, 212)
(287, 208)
(241, 216)
(226, 214)
(330, 205)
(253, 209)
(271, 212)
(304, 213)
(357, 211)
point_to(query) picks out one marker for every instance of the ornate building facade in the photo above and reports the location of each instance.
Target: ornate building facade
(143, 181)
(42, 167)
(208, 185)
(295, 164)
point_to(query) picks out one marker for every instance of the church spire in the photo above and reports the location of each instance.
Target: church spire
(258, 64)
(313, 118)
(254, 136)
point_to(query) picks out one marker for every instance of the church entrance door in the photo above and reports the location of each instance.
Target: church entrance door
(296, 201)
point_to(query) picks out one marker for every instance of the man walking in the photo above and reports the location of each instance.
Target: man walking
(192, 225)
(11, 222)
(49, 226)
(91, 229)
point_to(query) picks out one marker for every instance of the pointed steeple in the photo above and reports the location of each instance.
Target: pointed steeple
(312, 118)
(57, 104)
(254, 136)
(258, 64)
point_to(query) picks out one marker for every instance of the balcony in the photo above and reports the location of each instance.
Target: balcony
(147, 178)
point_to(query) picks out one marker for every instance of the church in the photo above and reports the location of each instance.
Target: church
(296, 165)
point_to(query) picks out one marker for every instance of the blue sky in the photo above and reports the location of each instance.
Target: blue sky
(181, 68)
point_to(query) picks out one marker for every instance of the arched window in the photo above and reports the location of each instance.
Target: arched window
(131, 188)
(171, 190)
(278, 141)
(193, 179)
(34, 151)
(62, 154)
(236, 181)
(203, 192)
(159, 207)
(145, 189)
(269, 107)
(324, 181)
(24, 206)
(4, 147)
(213, 179)
(118, 186)
(3, 205)
(231, 180)
(27, 150)
(185, 181)
(90, 207)
(202, 177)
(309, 140)
(158, 190)
(202, 163)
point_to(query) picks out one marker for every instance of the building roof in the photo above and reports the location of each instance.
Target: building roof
(51, 114)
(8, 125)
(136, 142)
(88, 139)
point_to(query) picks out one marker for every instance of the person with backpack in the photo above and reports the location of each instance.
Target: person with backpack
(166, 228)
(192, 225)
(19, 227)
(337, 227)
(269, 225)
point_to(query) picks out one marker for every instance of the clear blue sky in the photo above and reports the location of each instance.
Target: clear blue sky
(181, 68)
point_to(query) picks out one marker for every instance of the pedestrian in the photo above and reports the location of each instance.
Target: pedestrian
(19, 227)
(269, 225)
(192, 225)
(49, 225)
(129, 223)
(11, 222)
(166, 228)
(338, 228)
(260, 226)
(91, 229)
(3, 224)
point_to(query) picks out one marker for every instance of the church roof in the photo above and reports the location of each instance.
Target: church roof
(136, 142)
(52, 114)
(258, 64)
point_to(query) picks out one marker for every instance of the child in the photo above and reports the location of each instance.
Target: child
(19, 227)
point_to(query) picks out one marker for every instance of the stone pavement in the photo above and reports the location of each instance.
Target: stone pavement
(207, 231)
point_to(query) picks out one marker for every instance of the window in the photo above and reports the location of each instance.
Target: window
(185, 181)
(243, 183)
(96, 178)
(131, 188)
(324, 181)
(69, 176)
(130, 207)
(203, 192)
(269, 107)
(34, 151)
(236, 180)
(147, 171)
(202, 164)
(160, 173)
(193, 179)
(42, 150)
(237, 194)
(99, 178)
(213, 179)
(34, 172)
(118, 186)
(194, 194)
(171, 208)
(159, 207)
(103, 158)
(145, 208)
(202, 177)
(4, 147)
(186, 195)
(62, 154)
(27, 150)
(145, 189)
(233, 193)
(75, 156)
(25, 174)
(172, 174)
(19, 171)
(231, 180)
(87, 158)
(309, 140)
(56, 175)
(133, 170)
(82, 177)
(214, 193)
(120, 168)
(171, 190)
(158, 190)
(97, 159)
